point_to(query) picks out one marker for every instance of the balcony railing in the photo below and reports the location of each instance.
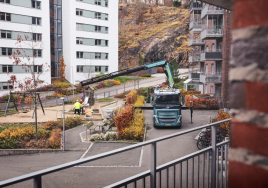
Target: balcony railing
(194, 58)
(195, 25)
(212, 33)
(206, 165)
(211, 77)
(195, 76)
(196, 6)
(196, 42)
(211, 56)
(211, 10)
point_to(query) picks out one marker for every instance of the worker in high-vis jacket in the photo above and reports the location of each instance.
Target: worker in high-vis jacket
(81, 107)
(77, 107)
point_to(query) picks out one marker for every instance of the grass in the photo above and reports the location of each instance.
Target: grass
(8, 112)
(7, 126)
(106, 100)
(123, 79)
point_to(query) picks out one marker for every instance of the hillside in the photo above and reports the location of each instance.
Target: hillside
(156, 32)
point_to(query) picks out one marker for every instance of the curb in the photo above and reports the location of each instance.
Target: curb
(125, 142)
(7, 152)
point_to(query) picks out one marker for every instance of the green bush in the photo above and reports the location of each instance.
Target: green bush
(143, 91)
(146, 75)
(176, 3)
(9, 144)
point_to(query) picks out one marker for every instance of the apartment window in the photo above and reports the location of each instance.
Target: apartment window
(7, 51)
(79, 12)
(97, 2)
(38, 68)
(206, 89)
(6, 34)
(37, 37)
(106, 68)
(106, 3)
(211, 90)
(97, 42)
(98, 28)
(79, 41)
(212, 68)
(97, 15)
(106, 43)
(5, 1)
(106, 16)
(207, 48)
(98, 69)
(5, 16)
(36, 4)
(37, 53)
(7, 68)
(36, 21)
(80, 69)
(97, 55)
(213, 47)
(206, 68)
(106, 29)
(106, 56)
(6, 86)
(79, 27)
(79, 55)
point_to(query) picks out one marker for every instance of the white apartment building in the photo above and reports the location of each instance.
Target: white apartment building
(90, 38)
(24, 18)
(85, 32)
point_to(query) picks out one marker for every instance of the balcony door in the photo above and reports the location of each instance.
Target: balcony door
(211, 90)
(206, 68)
(212, 68)
(218, 67)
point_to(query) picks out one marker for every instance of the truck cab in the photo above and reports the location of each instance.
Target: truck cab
(166, 107)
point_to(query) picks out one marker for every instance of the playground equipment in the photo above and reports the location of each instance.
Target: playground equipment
(17, 100)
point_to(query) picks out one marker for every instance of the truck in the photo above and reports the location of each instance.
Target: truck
(166, 102)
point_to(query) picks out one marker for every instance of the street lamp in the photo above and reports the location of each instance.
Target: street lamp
(63, 129)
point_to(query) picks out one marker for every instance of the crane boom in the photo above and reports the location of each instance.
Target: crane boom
(164, 64)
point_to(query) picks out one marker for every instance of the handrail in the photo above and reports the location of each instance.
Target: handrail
(99, 156)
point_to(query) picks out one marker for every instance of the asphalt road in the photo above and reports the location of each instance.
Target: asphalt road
(110, 169)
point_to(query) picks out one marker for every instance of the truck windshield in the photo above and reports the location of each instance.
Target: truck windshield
(167, 99)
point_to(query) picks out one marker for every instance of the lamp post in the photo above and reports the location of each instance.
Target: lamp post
(63, 129)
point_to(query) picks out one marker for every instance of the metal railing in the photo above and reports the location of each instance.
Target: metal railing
(210, 161)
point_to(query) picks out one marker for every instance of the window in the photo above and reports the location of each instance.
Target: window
(97, 68)
(79, 41)
(106, 29)
(5, 1)
(5, 16)
(106, 68)
(6, 86)
(97, 42)
(212, 68)
(6, 34)
(37, 37)
(79, 55)
(106, 16)
(7, 51)
(36, 4)
(37, 53)
(207, 48)
(206, 89)
(106, 3)
(97, 15)
(213, 47)
(9, 34)
(7, 68)
(4, 51)
(80, 69)
(97, 55)
(211, 90)
(206, 68)
(79, 27)
(3, 34)
(79, 12)
(106, 56)
(97, 28)
(36, 21)
(106, 43)
(38, 68)
(97, 2)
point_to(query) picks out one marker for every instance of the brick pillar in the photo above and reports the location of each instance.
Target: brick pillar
(248, 156)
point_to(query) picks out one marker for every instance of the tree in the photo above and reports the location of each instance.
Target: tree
(62, 66)
(174, 67)
(141, 59)
(28, 47)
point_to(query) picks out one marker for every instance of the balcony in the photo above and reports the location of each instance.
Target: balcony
(212, 33)
(194, 76)
(211, 10)
(211, 77)
(196, 42)
(194, 58)
(196, 25)
(196, 6)
(211, 56)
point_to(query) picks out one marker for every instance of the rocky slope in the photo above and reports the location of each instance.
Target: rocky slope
(157, 32)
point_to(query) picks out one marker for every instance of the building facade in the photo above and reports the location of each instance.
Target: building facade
(85, 32)
(210, 38)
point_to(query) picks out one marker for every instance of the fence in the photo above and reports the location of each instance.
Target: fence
(211, 174)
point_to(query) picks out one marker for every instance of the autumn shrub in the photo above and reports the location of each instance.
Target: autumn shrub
(69, 123)
(205, 103)
(222, 116)
(132, 97)
(135, 131)
(61, 84)
(124, 118)
(101, 85)
(9, 144)
(55, 139)
(51, 125)
(116, 82)
(109, 83)
(140, 101)
(122, 95)
(160, 70)
(59, 95)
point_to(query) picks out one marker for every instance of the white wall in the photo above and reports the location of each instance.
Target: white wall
(44, 29)
(69, 37)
